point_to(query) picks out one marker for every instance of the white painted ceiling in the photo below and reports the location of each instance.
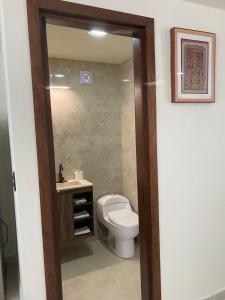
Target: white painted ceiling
(220, 4)
(76, 44)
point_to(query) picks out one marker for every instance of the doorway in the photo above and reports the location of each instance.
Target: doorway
(93, 116)
(141, 29)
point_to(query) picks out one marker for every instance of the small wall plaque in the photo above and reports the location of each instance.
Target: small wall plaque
(86, 77)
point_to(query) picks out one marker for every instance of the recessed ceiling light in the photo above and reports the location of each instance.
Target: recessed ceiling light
(97, 33)
(126, 80)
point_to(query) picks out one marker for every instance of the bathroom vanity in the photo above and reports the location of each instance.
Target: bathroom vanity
(75, 202)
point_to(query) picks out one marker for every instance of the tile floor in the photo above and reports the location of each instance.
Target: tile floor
(91, 271)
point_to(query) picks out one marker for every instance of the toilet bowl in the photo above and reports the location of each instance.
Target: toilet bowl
(115, 213)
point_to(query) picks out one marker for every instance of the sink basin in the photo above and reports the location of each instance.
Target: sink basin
(69, 185)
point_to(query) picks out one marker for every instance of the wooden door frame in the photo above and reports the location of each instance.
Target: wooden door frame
(142, 30)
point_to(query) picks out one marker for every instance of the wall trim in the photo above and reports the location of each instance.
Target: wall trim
(141, 29)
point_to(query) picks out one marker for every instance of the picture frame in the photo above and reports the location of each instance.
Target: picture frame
(193, 60)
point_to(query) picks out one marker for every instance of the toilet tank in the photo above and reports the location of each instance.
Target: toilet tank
(110, 203)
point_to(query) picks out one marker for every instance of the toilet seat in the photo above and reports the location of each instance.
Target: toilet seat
(123, 217)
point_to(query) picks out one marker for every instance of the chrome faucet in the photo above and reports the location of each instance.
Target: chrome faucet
(61, 178)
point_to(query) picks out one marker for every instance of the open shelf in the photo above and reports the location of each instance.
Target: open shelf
(83, 219)
(82, 204)
(68, 208)
(90, 234)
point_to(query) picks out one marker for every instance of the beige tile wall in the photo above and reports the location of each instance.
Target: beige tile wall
(128, 132)
(93, 126)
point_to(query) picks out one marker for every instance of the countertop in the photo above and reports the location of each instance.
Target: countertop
(72, 184)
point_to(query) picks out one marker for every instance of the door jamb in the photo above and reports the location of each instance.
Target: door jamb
(142, 30)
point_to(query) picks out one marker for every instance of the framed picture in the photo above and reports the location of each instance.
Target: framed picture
(193, 56)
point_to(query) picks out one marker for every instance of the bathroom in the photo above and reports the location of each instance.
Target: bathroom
(93, 121)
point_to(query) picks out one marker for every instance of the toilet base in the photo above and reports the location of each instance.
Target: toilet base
(122, 248)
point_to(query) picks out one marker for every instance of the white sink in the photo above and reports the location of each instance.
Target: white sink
(72, 184)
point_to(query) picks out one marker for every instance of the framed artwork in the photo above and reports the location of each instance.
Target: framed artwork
(193, 55)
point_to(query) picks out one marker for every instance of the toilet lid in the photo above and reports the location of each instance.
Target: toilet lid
(123, 217)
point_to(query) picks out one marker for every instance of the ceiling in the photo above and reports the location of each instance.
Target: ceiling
(213, 3)
(76, 44)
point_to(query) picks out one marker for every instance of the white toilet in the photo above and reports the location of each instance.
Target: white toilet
(115, 213)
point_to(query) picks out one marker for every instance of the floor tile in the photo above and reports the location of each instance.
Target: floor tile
(99, 274)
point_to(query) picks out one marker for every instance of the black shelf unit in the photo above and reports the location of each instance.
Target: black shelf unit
(88, 221)
(67, 209)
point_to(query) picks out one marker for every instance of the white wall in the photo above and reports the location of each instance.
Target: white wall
(22, 139)
(191, 147)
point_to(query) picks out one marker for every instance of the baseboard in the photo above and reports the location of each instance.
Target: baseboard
(218, 296)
